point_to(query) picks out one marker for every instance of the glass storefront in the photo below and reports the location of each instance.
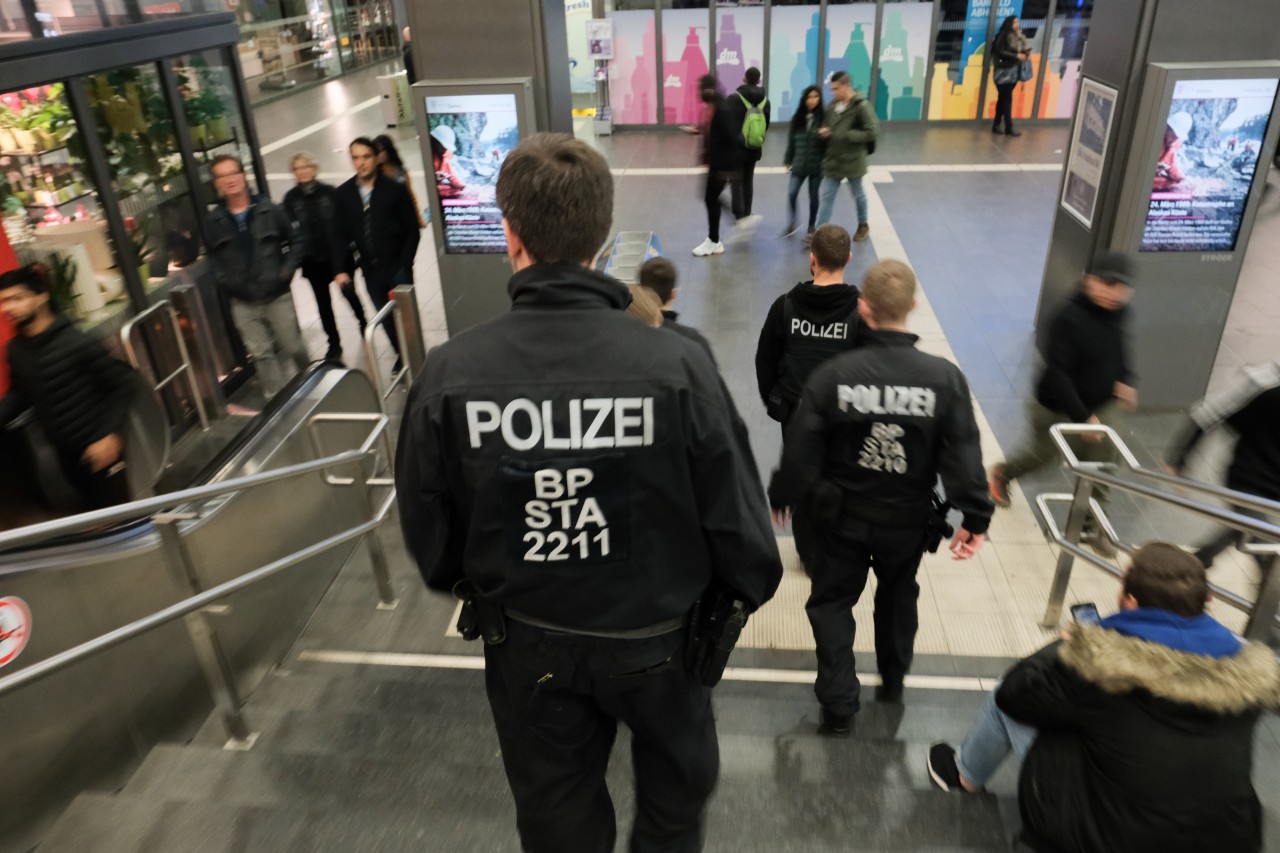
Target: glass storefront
(914, 59)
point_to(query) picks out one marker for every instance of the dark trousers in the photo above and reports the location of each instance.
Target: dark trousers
(320, 275)
(716, 182)
(839, 574)
(98, 489)
(748, 185)
(380, 284)
(1004, 105)
(1226, 537)
(557, 700)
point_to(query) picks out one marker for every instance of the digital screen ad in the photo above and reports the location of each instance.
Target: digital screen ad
(1208, 157)
(471, 136)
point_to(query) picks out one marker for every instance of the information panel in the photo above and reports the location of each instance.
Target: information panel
(471, 136)
(1208, 158)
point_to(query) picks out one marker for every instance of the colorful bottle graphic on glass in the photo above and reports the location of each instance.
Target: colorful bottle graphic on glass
(730, 63)
(683, 101)
(894, 73)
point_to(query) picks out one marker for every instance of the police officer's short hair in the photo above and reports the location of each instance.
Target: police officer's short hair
(659, 275)
(889, 290)
(1165, 577)
(830, 247)
(556, 194)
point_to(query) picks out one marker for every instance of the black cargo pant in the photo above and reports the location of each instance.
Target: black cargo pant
(841, 560)
(557, 700)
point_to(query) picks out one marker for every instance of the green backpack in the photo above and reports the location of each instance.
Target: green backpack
(754, 125)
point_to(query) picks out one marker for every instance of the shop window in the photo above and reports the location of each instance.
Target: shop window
(51, 209)
(633, 75)
(13, 22)
(146, 171)
(739, 43)
(366, 31)
(904, 45)
(1068, 33)
(850, 38)
(685, 58)
(1033, 15)
(960, 47)
(793, 55)
(290, 42)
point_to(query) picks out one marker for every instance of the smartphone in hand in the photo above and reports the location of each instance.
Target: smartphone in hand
(1085, 614)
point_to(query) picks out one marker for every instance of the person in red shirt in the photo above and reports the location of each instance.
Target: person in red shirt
(1168, 175)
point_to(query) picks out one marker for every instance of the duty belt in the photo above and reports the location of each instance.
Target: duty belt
(655, 630)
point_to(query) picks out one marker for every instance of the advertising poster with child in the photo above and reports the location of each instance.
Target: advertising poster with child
(1208, 157)
(471, 136)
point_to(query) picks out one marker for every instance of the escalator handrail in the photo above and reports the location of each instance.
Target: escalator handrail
(150, 506)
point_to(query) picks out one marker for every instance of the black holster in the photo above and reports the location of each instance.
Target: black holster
(937, 528)
(715, 623)
(480, 617)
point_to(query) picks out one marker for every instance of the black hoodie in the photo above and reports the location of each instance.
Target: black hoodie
(579, 467)
(822, 321)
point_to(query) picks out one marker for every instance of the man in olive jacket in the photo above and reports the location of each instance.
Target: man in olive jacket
(850, 129)
(1137, 732)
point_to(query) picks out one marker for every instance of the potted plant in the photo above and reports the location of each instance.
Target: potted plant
(63, 270)
(137, 252)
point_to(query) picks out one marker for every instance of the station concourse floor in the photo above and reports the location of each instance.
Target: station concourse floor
(971, 212)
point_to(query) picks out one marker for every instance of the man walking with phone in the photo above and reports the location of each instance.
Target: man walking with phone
(850, 129)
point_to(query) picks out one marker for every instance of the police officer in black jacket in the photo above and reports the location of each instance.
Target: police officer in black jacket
(590, 476)
(807, 325)
(874, 429)
(378, 219)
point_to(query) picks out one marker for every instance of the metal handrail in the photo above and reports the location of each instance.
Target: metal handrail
(195, 608)
(185, 368)
(182, 608)
(404, 374)
(1262, 612)
(149, 506)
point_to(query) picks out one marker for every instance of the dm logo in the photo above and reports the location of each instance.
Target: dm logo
(673, 82)
(15, 628)
(728, 57)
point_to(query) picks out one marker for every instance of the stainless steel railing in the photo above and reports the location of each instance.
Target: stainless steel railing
(184, 369)
(1262, 611)
(169, 511)
(403, 307)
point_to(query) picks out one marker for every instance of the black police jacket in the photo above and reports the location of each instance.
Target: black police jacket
(580, 467)
(806, 326)
(874, 429)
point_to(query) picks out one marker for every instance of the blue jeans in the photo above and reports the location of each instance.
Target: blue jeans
(830, 186)
(793, 192)
(994, 735)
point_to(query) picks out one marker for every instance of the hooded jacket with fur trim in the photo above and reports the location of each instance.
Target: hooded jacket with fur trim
(1145, 737)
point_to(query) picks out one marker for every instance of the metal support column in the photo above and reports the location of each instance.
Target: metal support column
(204, 637)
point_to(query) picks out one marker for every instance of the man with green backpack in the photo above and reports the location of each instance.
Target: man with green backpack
(749, 106)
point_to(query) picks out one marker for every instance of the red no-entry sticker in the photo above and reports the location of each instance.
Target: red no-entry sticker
(15, 628)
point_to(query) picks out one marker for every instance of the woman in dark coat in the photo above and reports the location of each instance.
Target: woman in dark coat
(804, 156)
(1008, 50)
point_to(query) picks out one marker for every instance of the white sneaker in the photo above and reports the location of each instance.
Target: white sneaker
(706, 247)
(750, 222)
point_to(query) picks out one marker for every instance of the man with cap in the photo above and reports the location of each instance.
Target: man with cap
(1086, 378)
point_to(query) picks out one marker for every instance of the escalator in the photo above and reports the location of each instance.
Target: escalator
(89, 724)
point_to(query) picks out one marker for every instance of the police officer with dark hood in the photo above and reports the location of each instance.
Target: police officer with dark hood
(585, 478)
(874, 429)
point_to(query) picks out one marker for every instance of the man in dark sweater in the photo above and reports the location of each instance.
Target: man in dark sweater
(807, 325)
(1251, 409)
(80, 394)
(1086, 379)
(378, 220)
(659, 275)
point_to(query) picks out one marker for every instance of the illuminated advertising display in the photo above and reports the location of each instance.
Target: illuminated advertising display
(471, 136)
(1209, 150)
